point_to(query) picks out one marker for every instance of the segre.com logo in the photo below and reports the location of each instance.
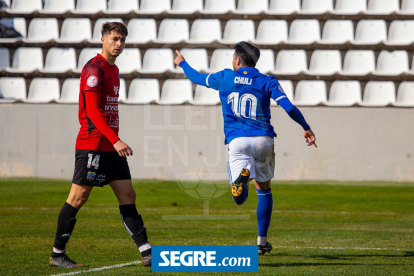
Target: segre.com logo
(204, 258)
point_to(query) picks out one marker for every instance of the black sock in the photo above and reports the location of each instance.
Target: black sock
(55, 255)
(146, 252)
(65, 225)
(133, 224)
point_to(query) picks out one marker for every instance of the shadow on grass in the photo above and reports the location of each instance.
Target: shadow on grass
(323, 264)
(409, 254)
(346, 256)
(406, 254)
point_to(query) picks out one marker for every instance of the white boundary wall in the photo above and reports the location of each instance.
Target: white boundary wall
(354, 144)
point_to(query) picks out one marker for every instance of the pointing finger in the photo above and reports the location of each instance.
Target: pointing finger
(178, 53)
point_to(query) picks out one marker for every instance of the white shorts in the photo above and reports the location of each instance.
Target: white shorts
(255, 153)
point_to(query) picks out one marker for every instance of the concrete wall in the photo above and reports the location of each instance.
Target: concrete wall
(353, 143)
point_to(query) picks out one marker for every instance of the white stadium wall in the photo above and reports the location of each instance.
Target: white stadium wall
(354, 144)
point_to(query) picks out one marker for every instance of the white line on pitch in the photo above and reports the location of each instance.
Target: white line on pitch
(287, 247)
(97, 269)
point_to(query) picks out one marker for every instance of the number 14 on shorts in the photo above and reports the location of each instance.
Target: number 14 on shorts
(93, 161)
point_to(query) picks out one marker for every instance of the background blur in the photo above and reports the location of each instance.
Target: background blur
(346, 64)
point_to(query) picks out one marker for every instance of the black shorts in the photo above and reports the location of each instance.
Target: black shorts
(98, 168)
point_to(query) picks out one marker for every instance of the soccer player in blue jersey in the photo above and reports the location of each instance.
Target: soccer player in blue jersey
(245, 95)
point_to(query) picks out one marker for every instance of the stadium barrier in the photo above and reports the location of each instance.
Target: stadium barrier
(354, 144)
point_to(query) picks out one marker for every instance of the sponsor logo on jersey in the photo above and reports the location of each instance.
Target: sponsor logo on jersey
(111, 99)
(281, 89)
(243, 80)
(116, 89)
(91, 176)
(111, 107)
(92, 81)
(113, 122)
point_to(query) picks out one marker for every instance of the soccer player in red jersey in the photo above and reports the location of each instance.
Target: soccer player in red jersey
(100, 153)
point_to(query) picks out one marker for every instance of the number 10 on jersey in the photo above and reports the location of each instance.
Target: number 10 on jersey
(243, 106)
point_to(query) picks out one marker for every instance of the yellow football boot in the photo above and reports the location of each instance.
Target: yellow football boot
(239, 188)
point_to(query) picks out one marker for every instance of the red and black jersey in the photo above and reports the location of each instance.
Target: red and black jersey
(98, 105)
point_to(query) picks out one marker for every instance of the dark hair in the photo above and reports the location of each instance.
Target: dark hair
(119, 27)
(248, 54)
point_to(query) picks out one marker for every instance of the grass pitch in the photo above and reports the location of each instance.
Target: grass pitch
(318, 228)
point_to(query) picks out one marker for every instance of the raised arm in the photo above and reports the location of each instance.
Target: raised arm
(192, 75)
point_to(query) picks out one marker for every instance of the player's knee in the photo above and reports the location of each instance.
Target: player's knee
(130, 195)
(81, 200)
(78, 200)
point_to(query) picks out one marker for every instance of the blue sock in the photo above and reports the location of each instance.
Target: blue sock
(264, 211)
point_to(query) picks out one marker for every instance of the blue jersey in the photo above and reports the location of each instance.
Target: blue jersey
(245, 99)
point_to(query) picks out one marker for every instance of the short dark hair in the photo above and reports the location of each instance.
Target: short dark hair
(119, 27)
(248, 54)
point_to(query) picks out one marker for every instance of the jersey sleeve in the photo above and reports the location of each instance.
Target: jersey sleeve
(93, 77)
(293, 112)
(92, 85)
(93, 113)
(276, 90)
(193, 75)
(213, 80)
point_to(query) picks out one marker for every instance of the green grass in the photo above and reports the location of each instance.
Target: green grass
(318, 228)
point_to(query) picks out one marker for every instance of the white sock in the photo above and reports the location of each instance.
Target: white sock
(55, 250)
(261, 241)
(144, 247)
